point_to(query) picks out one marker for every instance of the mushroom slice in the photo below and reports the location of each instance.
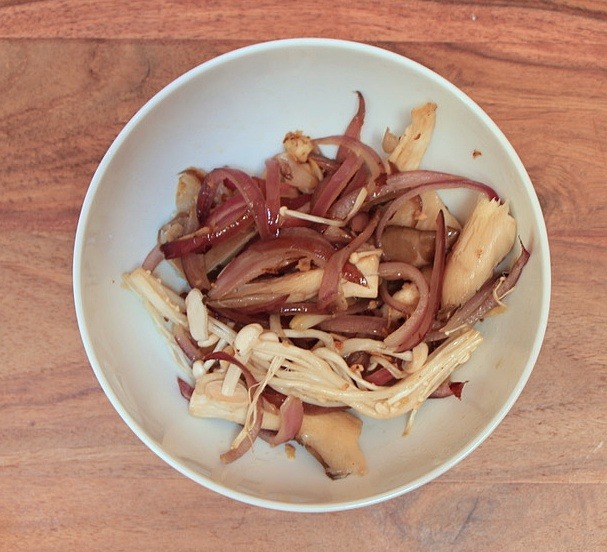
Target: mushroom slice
(412, 145)
(407, 155)
(332, 438)
(485, 240)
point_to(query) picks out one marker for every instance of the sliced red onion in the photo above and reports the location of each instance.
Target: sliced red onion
(291, 417)
(238, 316)
(339, 236)
(398, 182)
(271, 255)
(187, 344)
(300, 203)
(272, 306)
(371, 158)
(222, 355)
(391, 301)
(313, 241)
(412, 333)
(206, 197)
(354, 127)
(275, 398)
(195, 271)
(230, 209)
(289, 309)
(247, 266)
(356, 324)
(352, 274)
(410, 192)
(358, 181)
(326, 164)
(328, 292)
(153, 259)
(202, 240)
(456, 387)
(344, 205)
(448, 388)
(381, 376)
(403, 271)
(359, 222)
(251, 304)
(185, 389)
(252, 195)
(329, 189)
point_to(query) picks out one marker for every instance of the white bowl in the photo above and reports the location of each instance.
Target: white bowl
(234, 110)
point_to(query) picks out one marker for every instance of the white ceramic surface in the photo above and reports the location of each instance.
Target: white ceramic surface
(235, 110)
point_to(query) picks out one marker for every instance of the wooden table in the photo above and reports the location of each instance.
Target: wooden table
(74, 477)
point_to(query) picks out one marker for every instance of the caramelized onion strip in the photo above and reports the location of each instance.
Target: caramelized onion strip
(271, 255)
(265, 220)
(370, 157)
(331, 187)
(399, 182)
(411, 333)
(354, 127)
(204, 238)
(291, 417)
(356, 324)
(410, 193)
(404, 271)
(328, 293)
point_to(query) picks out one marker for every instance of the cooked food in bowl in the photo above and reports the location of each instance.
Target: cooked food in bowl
(335, 284)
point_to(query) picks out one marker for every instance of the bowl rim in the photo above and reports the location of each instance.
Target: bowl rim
(79, 286)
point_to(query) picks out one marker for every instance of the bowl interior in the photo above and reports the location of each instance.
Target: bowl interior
(235, 110)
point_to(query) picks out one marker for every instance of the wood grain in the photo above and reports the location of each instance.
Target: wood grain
(412, 21)
(74, 477)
